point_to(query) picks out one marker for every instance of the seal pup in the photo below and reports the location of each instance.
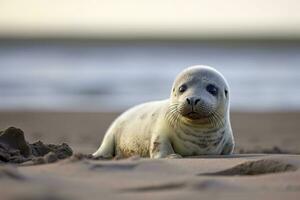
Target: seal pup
(193, 121)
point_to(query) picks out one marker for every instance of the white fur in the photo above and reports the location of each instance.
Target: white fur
(145, 131)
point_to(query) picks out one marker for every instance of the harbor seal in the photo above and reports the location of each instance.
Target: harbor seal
(193, 121)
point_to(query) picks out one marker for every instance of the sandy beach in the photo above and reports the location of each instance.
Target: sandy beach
(251, 175)
(149, 179)
(64, 78)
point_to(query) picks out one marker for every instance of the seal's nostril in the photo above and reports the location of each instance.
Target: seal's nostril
(189, 101)
(196, 101)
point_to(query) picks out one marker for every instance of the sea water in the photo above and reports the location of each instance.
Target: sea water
(112, 76)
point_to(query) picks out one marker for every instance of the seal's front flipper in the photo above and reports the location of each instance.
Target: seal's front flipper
(161, 147)
(228, 148)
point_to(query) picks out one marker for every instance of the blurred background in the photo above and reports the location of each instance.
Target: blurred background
(68, 68)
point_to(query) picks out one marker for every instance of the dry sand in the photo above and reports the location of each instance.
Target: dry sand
(154, 179)
(246, 176)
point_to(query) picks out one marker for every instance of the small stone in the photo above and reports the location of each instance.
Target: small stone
(50, 157)
(38, 160)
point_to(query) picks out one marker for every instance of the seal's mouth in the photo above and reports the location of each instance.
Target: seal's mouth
(193, 115)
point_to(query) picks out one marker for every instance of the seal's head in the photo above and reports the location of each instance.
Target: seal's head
(200, 92)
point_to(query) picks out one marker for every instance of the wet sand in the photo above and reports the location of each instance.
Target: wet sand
(242, 176)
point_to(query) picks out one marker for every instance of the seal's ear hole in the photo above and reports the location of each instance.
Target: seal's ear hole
(226, 92)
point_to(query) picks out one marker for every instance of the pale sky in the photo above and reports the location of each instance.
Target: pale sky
(151, 18)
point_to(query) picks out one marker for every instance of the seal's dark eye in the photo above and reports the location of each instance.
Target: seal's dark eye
(212, 89)
(182, 88)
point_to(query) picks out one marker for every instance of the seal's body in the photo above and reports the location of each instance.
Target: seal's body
(193, 121)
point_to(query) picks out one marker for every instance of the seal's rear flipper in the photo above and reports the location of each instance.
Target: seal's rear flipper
(106, 150)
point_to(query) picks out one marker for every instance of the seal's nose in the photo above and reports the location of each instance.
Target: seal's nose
(192, 100)
(189, 101)
(196, 101)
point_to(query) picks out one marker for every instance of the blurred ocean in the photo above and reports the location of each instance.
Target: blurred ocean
(112, 76)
